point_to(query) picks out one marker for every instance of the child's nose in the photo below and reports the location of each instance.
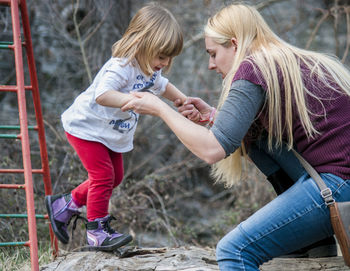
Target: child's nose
(166, 61)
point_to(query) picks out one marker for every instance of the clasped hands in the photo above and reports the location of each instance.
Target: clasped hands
(193, 108)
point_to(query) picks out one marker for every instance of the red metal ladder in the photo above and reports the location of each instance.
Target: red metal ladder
(19, 9)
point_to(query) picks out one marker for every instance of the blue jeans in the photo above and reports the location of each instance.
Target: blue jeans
(295, 219)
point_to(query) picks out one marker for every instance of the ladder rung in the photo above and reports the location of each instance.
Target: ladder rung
(5, 2)
(10, 244)
(21, 170)
(17, 127)
(9, 136)
(13, 88)
(13, 186)
(6, 45)
(22, 216)
(14, 127)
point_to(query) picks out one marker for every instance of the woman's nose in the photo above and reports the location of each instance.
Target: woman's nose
(211, 65)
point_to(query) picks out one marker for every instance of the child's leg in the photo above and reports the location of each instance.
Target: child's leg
(117, 161)
(81, 192)
(105, 172)
(97, 190)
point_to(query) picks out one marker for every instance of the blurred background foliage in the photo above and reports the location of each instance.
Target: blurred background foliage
(167, 197)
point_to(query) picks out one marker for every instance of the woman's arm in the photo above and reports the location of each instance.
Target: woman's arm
(199, 140)
(231, 125)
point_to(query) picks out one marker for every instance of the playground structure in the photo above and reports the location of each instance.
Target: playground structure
(22, 43)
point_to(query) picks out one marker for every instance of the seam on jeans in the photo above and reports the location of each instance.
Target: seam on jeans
(341, 184)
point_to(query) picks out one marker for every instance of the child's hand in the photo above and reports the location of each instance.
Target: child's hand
(196, 110)
(195, 116)
(188, 110)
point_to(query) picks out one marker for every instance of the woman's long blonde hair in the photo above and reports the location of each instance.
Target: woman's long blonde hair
(152, 31)
(257, 41)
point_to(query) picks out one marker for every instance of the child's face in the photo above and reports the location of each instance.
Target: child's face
(159, 62)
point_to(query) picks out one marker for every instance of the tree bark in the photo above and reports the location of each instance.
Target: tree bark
(176, 259)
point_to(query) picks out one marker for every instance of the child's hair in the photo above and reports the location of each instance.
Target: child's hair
(152, 31)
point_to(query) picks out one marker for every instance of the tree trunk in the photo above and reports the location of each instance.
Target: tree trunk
(176, 259)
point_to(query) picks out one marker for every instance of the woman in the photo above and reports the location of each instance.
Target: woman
(292, 97)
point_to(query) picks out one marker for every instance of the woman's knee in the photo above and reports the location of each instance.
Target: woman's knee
(229, 246)
(234, 250)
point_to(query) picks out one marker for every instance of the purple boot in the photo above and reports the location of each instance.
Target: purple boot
(101, 236)
(61, 208)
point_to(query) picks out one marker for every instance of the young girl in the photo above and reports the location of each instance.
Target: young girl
(100, 132)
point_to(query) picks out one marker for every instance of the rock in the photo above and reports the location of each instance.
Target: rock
(175, 259)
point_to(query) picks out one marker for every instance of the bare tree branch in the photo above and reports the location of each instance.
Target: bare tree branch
(81, 43)
(346, 52)
(99, 24)
(265, 4)
(319, 23)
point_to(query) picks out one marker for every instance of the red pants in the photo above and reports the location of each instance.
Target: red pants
(105, 172)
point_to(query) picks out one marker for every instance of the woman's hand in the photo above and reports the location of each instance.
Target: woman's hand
(187, 109)
(144, 103)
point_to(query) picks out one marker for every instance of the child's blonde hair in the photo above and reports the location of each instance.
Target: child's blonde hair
(267, 51)
(153, 31)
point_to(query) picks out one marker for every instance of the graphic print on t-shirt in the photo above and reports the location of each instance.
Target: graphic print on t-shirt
(125, 125)
(142, 84)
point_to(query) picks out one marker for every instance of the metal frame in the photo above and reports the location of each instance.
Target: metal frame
(18, 7)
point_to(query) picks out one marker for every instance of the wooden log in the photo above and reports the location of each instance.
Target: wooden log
(305, 264)
(176, 259)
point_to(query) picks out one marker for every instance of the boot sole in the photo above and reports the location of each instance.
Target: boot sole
(127, 239)
(52, 221)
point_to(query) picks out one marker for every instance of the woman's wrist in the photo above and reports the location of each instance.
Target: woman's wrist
(212, 116)
(210, 119)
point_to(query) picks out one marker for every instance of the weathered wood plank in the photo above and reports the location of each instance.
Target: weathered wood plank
(176, 259)
(305, 264)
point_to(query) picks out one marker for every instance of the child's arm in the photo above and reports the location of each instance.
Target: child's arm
(172, 93)
(112, 98)
(178, 98)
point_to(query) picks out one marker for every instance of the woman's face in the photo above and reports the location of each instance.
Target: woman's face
(220, 57)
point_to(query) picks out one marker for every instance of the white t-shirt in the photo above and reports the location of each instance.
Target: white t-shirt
(110, 126)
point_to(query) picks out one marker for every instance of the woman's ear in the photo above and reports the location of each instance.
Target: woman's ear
(234, 43)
